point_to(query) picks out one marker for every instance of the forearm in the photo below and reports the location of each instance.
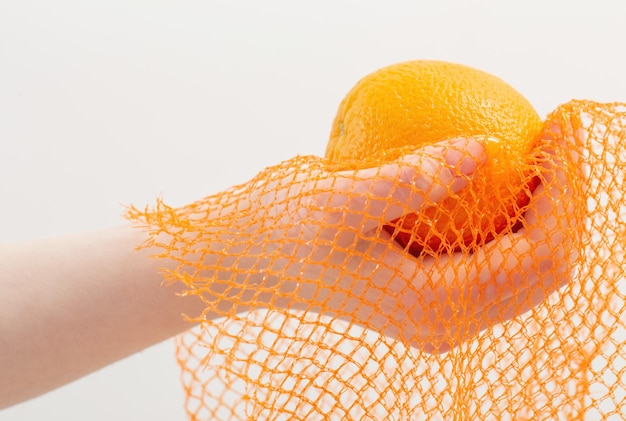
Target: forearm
(72, 305)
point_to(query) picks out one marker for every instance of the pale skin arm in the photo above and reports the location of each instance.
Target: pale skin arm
(72, 305)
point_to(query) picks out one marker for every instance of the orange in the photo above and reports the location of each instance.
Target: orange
(401, 107)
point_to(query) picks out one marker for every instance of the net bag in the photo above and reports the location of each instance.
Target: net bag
(313, 311)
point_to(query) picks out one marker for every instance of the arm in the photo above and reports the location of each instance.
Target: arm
(72, 305)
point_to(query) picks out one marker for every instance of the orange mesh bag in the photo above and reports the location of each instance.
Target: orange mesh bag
(476, 278)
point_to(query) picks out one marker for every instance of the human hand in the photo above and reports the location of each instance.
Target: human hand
(301, 237)
(351, 268)
(517, 271)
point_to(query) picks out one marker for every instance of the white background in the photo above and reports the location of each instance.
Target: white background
(118, 102)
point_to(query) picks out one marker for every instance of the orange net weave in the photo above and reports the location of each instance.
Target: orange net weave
(314, 312)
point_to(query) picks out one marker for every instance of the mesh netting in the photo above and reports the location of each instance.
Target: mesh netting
(313, 311)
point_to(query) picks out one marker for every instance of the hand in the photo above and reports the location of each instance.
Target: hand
(301, 237)
(517, 271)
(433, 303)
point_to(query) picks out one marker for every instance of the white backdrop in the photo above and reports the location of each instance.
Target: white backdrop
(118, 102)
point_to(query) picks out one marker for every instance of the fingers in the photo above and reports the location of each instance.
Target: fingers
(521, 302)
(366, 199)
(455, 296)
(511, 290)
(518, 271)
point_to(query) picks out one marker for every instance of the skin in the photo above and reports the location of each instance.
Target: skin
(72, 305)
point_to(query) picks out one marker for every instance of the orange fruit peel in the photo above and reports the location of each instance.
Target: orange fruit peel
(408, 105)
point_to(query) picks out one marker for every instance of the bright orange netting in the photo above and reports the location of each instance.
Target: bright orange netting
(314, 312)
